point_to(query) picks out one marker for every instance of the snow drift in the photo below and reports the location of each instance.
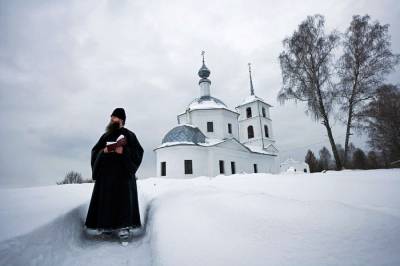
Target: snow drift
(337, 218)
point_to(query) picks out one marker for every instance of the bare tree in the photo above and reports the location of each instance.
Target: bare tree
(72, 177)
(306, 65)
(366, 59)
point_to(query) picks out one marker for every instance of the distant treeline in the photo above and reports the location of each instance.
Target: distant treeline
(358, 159)
(73, 177)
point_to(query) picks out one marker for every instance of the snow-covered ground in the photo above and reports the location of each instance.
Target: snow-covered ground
(336, 218)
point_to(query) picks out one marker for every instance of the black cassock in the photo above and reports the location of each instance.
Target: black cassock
(114, 203)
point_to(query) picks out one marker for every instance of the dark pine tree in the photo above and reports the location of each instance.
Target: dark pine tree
(312, 162)
(373, 160)
(382, 123)
(359, 159)
(324, 158)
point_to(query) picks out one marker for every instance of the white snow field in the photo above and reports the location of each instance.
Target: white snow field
(336, 218)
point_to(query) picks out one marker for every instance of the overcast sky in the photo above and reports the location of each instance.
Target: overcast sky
(65, 65)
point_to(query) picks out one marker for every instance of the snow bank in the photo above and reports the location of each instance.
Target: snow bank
(337, 218)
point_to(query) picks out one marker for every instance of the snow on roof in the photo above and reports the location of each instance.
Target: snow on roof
(258, 150)
(208, 142)
(252, 98)
(212, 142)
(207, 102)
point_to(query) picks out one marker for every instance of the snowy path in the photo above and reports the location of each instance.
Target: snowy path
(62, 242)
(339, 218)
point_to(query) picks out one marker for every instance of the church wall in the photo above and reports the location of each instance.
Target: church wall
(242, 109)
(174, 157)
(243, 161)
(206, 161)
(220, 119)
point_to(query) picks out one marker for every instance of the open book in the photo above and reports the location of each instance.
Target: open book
(112, 145)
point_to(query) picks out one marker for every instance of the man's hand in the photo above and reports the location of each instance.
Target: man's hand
(119, 150)
(105, 150)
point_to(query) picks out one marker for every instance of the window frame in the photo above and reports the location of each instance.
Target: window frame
(229, 128)
(163, 168)
(233, 167)
(188, 167)
(266, 131)
(248, 132)
(210, 125)
(249, 112)
(221, 166)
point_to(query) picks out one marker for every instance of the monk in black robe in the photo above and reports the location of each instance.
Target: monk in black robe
(114, 203)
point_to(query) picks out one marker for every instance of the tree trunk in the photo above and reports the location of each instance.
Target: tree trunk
(350, 118)
(328, 129)
(346, 142)
(333, 145)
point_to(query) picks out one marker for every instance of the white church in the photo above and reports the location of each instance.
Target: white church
(212, 139)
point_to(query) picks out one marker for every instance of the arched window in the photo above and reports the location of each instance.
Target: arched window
(250, 132)
(248, 112)
(266, 131)
(263, 112)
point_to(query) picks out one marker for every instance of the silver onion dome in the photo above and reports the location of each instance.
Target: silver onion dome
(184, 133)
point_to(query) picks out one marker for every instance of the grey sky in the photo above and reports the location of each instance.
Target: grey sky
(65, 65)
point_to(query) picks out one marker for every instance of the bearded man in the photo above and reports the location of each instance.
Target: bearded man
(114, 204)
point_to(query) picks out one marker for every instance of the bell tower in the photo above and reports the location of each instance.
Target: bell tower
(255, 123)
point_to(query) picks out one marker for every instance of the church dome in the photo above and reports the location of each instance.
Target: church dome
(185, 133)
(204, 72)
(206, 102)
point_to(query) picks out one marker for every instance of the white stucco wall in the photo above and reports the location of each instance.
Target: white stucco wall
(175, 156)
(220, 119)
(205, 160)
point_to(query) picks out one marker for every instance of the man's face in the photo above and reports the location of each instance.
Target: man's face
(115, 119)
(114, 124)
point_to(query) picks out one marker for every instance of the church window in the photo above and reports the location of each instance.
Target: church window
(255, 168)
(210, 127)
(233, 168)
(221, 167)
(250, 132)
(230, 128)
(163, 168)
(188, 167)
(248, 112)
(266, 131)
(263, 112)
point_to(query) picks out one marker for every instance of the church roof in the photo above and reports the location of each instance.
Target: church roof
(208, 142)
(184, 133)
(207, 102)
(252, 98)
